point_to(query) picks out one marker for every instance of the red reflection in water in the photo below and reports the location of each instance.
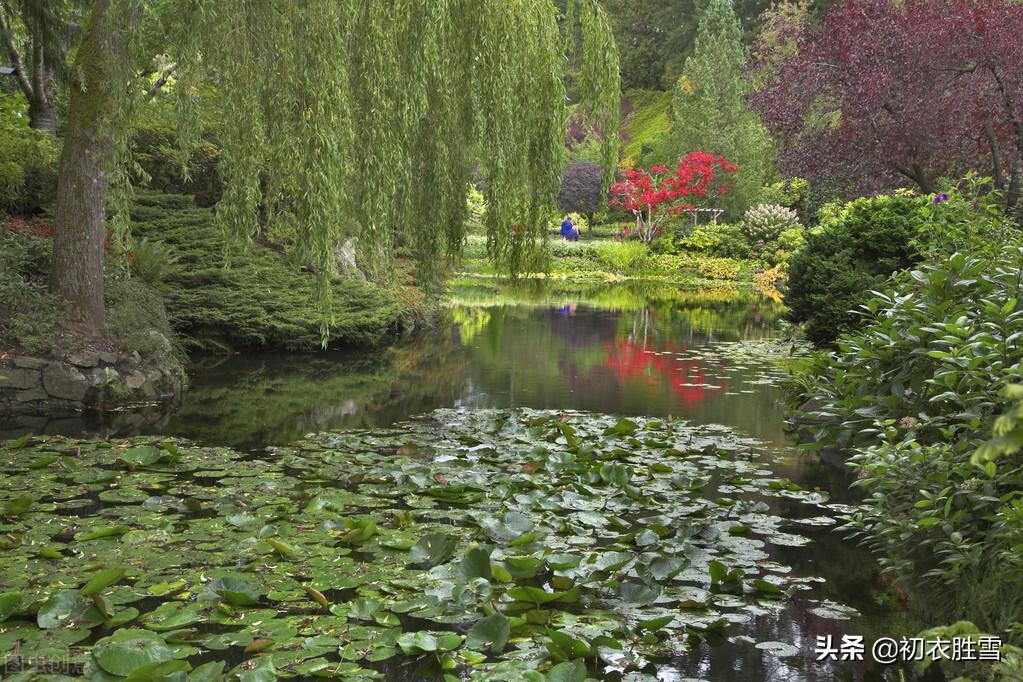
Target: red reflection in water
(632, 362)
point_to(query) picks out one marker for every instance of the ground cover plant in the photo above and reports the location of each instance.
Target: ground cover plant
(260, 299)
(493, 544)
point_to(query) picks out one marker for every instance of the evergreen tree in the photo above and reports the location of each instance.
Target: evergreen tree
(710, 112)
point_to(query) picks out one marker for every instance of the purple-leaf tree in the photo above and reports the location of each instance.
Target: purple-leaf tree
(881, 93)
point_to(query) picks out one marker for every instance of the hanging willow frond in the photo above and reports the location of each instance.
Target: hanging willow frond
(369, 118)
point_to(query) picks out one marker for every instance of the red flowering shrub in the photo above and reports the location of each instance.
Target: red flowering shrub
(655, 194)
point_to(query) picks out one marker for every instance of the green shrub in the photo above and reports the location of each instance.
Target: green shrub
(856, 250)
(562, 248)
(156, 151)
(621, 256)
(28, 160)
(152, 261)
(729, 242)
(475, 205)
(261, 301)
(28, 312)
(914, 393)
(665, 244)
(764, 222)
(966, 217)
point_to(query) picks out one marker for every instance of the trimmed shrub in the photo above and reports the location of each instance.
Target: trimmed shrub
(580, 188)
(854, 253)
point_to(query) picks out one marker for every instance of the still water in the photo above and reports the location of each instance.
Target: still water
(708, 357)
(692, 356)
(705, 357)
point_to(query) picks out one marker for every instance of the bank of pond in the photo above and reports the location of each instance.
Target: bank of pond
(556, 484)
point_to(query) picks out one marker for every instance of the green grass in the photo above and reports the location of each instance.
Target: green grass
(648, 121)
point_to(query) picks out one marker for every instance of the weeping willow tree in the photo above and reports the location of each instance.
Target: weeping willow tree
(368, 118)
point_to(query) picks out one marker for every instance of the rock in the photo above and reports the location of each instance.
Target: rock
(65, 382)
(84, 358)
(100, 376)
(108, 358)
(34, 394)
(344, 260)
(27, 362)
(135, 380)
(165, 344)
(19, 378)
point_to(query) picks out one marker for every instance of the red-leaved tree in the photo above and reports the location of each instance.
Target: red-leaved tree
(883, 92)
(655, 194)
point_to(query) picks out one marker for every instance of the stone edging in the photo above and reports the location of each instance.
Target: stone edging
(84, 381)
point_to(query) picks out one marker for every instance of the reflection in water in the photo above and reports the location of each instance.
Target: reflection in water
(615, 350)
(657, 359)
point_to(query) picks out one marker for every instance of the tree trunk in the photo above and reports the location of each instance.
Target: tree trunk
(80, 225)
(42, 114)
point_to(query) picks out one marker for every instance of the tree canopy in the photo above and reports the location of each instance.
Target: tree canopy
(366, 119)
(881, 93)
(709, 110)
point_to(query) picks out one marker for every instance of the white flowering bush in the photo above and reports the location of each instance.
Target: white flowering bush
(765, 222)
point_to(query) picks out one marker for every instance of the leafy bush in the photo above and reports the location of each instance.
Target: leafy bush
(935, 351)
(764, 222)
(28, 312)
(164, 168)
(28, 160)
(967, 217)
(791, 193)
(475, 204)
(915, 392)
(718, 268)
(857, 249)
(717, 239)
(621, 256)
(152, 261)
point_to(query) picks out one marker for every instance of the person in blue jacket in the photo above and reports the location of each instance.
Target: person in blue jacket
(569, 231)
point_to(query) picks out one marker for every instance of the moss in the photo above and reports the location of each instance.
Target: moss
(261, 301)
(138, 321)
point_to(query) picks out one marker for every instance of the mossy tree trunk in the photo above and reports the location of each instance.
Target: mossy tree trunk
(80, 229)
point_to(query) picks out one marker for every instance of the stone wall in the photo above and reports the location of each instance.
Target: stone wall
(84, 382)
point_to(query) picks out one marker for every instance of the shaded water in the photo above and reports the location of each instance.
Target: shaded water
(706, 357)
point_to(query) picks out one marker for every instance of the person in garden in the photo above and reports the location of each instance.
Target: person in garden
(569, 231)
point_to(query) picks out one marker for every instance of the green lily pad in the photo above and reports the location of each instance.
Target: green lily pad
(127, 651)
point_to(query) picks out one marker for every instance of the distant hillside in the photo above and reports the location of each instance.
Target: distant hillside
(648, 121)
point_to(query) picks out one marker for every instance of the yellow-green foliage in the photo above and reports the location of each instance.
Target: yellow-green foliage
(649, 122)
(621, 256)
(28, 159)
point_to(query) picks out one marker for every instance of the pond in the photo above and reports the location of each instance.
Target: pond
(693, 514)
